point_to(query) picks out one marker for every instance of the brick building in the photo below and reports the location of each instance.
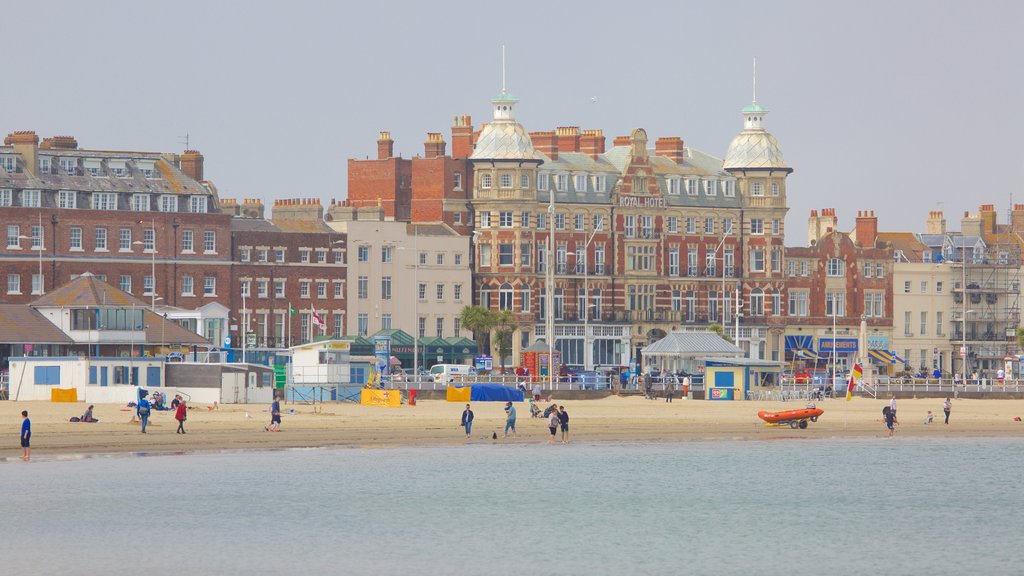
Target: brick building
(148, 223)
(294, 260)
(835, 284)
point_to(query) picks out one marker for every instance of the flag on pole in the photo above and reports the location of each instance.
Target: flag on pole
(317, 320)
(854, 376)
(292, 311)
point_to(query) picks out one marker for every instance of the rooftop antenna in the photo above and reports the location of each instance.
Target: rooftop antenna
(503, 68)
(184, 140)
(755, 79)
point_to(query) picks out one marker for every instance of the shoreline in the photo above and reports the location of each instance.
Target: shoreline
(239, 428)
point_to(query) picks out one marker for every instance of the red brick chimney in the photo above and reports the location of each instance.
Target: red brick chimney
(867, 228)
(1017, 218)
(622, 141)
(59, 143)
(192, 164)
(434, 146)
(545, 142)
(462, 137)
(670, 147)
(592, 143)
(385, 146)
(568, 138)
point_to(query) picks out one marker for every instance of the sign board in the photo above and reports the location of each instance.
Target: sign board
(250, 339)
(484, 362)
(842, 345)
(382, 353)
(878, 342)
(961, 351)
(642, 201)
(227, 341)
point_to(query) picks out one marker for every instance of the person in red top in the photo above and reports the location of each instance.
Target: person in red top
(180, 415)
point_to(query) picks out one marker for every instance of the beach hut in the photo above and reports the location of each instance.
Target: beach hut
(733, 378)
(680, 351)
(535, 360)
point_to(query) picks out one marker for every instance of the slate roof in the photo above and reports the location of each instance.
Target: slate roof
(85, 291)
(20, 324)
(692, 344)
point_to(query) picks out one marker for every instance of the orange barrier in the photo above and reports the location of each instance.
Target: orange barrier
(64, 395)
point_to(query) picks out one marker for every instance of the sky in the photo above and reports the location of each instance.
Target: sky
(897, 107)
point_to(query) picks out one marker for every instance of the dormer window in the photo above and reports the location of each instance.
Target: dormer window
(9, 163)
(730, 188)
(168, 203)
(691, 186)
(600, 183)
(146, 167)
(118, 168)
(104, 201)
(69, 166)
(140, 202)
(673, 185)
(710, 187)
(94, 167)
(31, 198)
(45, 165)
(197, 204)
(66, 199)
(581, 183)
(543, 180)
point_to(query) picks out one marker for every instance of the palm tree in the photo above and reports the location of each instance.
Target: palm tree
(479, 321)
(503, 335)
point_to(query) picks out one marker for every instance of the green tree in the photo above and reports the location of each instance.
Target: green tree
(479, 321)
(719, 331)
(1020, 339)
(502, 321)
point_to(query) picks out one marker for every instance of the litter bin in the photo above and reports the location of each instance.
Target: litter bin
(412, 397)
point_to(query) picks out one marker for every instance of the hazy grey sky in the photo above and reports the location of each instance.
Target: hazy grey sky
(897, 107)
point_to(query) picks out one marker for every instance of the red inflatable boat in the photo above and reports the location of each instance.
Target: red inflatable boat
(795, 418)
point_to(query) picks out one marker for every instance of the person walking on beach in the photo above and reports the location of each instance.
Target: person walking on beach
(648, 386)
(144, 408)
(275, 416)
(26, 437)
(890, 419)
(670, 386)
(510, 420)
(467, 420)
(946, 407)
(180, 415)
(536, 391)
(892, 405)
(563, 422)
(553, 423)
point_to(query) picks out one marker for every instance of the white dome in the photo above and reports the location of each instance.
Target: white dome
(754, 149)
(504, 140)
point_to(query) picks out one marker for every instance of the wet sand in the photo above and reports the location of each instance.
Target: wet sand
(435, 422)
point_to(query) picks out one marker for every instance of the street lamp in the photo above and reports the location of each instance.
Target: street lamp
(152, 271)
(415, 302)
(586, 301)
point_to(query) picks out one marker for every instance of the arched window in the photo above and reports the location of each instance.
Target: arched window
(505, 297)
(757, 302)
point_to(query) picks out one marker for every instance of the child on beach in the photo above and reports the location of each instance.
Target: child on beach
(26, 437)
(929, 418)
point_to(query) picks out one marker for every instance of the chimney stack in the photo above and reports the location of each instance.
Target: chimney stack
(26, 145)
(192, 164)
(866, 230)
(385, 146)
(568, 138)
(988, 218)
(434, 146)
(671, 148)
(1017, 219)
(936, 223)
(59, 143)
(545, 142)
(306, 209)
(592, 143)
(462, 136)
(621, 141)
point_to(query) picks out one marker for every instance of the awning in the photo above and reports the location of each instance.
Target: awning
(897, 359)
(881, 356)
(809, 354)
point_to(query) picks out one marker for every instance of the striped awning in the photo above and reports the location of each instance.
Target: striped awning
(809, 354)
(897, 359)
(881, 356)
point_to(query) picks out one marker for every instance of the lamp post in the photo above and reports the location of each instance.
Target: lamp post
(963, 319)
(736, 316)
(549, 292)
(721, 246)
(586, 302)
(152, 269)
(835, 314)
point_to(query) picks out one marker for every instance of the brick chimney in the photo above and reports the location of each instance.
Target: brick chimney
(621, 141)
(26, 144)
(192, 164)
(867, 228)
(545, 142)
(592, 143)
(385, 146)
(936, 223)
(59, 143)
(462, 136)
(297, 209)
(1017, 218)
(434, 146)
(820, 226)
(988, 218)
(568, 138)
(671, 148)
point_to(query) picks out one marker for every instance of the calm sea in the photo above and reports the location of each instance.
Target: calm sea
(815, 507)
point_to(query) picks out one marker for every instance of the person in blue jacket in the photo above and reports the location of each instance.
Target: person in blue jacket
(467, 420)
(143, 409)
(26, 437)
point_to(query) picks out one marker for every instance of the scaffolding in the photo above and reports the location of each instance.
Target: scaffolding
(992, 291)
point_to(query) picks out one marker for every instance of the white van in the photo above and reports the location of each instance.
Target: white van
(443, 373)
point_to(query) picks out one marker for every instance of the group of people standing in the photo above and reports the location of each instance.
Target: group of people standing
(558, 419)
(889, 414)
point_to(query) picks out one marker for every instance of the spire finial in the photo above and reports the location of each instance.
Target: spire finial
(755, 79)
(503, 68)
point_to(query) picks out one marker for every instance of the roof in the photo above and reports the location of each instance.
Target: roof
(163, 331)
(906, 243)
(775, 366)
(253, 225)
(87, 290)
(755, 148)
(166, 179)
(430, 229)
(504, 140)
(692, 344)
(302, 226)
(21, 324)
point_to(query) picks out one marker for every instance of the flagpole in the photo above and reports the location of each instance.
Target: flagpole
(288, 326)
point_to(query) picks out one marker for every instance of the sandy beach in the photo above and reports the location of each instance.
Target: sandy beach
(241, 427)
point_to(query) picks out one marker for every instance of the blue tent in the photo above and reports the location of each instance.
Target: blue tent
(495, 393)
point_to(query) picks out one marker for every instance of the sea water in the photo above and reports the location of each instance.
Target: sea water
(795, 507)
